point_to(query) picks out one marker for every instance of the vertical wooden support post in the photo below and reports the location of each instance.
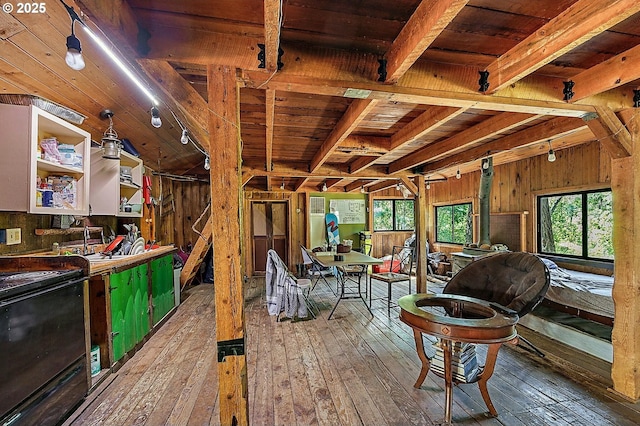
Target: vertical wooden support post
(625, 184)
(420, 216)
(226, 212)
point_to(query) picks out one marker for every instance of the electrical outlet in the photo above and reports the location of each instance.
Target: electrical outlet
(14, 236)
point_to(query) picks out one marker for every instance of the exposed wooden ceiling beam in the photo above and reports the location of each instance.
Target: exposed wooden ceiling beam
(332, 182)
(300, 182)
(551, 129)
(270, 107)
(426, 23)
(272, 21)
(614, 72)
(356, 112)
(246, 177)
(611, 133)
(426, 122)
(365, 145)
(361, 163)
(575, 25)
(408, 183)
(355, 185)
(520, 101)
(327, 171)
(486, 129)
(380, 186)
(184, 97)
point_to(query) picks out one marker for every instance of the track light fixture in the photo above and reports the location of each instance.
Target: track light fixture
(552, 155)
(74, 50)
(155, 117)
(184, 139)
(458, 176)
(207, 163)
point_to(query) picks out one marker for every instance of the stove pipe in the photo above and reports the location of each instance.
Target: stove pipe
(484, 193)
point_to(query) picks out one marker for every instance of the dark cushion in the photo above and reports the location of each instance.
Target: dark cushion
(517, 280)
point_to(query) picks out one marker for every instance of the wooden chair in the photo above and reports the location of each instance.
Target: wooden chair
(401, 270)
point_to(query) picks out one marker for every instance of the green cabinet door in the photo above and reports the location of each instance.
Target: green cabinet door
(122, 312)
(141, 301)
(162, 287)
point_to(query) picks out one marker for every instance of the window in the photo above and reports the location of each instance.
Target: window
(393, 215)
(578, 224)
(453, 223)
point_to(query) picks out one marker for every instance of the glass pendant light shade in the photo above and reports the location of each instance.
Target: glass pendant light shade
(74, 56)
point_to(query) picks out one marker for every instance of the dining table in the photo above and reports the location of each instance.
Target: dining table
(330, 259)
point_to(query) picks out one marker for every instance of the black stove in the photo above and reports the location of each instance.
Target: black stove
(13, 283)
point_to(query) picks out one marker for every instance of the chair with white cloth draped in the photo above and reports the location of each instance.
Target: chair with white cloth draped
(284, 292)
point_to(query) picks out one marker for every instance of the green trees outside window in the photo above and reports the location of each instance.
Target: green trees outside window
(393, 215)
(578, 224)
(453, 223)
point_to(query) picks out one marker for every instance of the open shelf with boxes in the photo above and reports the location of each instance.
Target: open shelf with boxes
(113, 181)
(43, 181)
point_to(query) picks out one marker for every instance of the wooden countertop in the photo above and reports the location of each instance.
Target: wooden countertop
(119, 263)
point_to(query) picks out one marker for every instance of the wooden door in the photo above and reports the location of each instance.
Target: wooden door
(270, 225)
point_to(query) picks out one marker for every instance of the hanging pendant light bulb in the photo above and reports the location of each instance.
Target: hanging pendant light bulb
(428, 185)
(324, 187)
(362, 190)
(207, 163)
(73, 57)
(155, 117)
(458, 176)
(184, 139)
(282, 186)
(551, 155)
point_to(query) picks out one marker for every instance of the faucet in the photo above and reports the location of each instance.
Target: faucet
(86, 240)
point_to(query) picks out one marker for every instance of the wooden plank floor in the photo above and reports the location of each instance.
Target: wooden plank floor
(350, 370)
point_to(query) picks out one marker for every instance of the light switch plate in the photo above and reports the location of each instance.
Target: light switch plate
(14, 236)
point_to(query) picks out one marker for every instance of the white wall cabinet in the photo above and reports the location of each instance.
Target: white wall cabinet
(108, 189)
(21, 130)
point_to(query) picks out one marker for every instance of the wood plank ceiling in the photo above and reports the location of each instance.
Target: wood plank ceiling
(329, 115)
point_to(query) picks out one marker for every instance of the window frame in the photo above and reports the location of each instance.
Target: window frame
(584, 256)
(393, 214)
(435, 215)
